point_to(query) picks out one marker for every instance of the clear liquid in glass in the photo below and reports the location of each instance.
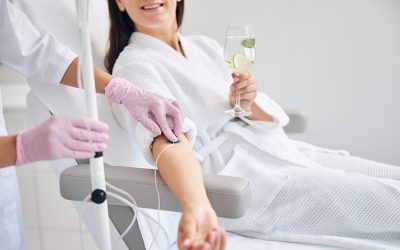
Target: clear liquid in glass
(234, 47)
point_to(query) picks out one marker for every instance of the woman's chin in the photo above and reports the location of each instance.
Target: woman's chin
(155, 19)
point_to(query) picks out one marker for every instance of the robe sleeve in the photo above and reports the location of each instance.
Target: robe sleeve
(146, 76)
(269, 106)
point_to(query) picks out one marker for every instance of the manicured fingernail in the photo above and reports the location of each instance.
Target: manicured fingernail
(235, 79)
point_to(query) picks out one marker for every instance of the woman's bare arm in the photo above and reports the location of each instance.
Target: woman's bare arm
(181, 171)
(198, 227)
(258, 114)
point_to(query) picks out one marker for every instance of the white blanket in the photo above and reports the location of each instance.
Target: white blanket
(294, 197)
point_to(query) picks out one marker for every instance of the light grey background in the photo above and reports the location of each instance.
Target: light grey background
(339, 60)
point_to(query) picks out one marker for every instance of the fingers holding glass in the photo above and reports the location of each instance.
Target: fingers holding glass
(244, 90)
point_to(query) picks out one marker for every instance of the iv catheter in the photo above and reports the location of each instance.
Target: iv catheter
(99, 195)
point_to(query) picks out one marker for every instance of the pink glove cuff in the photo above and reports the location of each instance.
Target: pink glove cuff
(117, 89)
(21, 158)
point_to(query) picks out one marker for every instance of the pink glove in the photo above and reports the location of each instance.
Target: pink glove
(61, 137)
(150, 109)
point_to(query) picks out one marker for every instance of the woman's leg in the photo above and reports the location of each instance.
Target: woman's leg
(316, 205)
(332, 207)
(353, 164)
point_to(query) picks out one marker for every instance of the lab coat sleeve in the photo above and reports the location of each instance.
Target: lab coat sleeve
(35, 54)
(146, 76)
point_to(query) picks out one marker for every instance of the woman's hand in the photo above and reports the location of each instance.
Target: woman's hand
(247, 86)
(198, 229)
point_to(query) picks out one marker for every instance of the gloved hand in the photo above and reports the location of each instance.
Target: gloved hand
(61, 137)
(149, 109)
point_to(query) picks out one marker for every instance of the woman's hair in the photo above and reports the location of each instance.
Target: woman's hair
(121, 29)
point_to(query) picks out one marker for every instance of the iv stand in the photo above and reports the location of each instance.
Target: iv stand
(99, 195)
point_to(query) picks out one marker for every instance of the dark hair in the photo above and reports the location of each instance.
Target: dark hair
(121, 29)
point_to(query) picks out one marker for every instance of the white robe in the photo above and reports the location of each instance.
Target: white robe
(300, 193)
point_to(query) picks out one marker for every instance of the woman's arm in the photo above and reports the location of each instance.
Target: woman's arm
(258, 114)
(182, 173)
(180, 170)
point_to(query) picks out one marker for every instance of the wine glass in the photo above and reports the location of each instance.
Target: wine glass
(239, 53)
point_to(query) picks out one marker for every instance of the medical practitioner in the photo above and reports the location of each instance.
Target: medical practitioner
(39, 56)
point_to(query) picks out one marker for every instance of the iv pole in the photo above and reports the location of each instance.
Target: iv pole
(99, 195)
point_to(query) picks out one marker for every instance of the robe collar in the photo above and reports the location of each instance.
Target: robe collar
(192, 62)
(146, 41)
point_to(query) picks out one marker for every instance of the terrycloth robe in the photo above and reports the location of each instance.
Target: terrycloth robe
(300, 193)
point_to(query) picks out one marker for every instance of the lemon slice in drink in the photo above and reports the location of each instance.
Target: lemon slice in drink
(241, 63)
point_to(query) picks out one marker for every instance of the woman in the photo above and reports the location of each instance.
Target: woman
(300, 193)
(40, 56)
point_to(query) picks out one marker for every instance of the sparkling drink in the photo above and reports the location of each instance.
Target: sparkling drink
(240, 52)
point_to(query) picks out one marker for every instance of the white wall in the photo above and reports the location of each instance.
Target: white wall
(338, 60)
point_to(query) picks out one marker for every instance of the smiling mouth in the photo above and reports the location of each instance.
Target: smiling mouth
(152, 6)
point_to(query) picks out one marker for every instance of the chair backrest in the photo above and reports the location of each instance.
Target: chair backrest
(62, 100)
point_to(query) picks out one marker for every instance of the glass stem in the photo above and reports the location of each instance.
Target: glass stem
(237, 105)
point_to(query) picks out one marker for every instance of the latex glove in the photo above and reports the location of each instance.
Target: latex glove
(149, 109)
(61, 137)
(198, 229)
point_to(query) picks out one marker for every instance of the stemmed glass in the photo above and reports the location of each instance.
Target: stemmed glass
(239, 53)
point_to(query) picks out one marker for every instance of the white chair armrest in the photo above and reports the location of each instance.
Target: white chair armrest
(229, 196)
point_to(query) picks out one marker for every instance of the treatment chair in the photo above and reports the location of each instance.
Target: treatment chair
(230, 196)
(126, 167)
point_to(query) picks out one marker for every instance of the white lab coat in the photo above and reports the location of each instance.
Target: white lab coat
(296, 196)
(39, 56)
